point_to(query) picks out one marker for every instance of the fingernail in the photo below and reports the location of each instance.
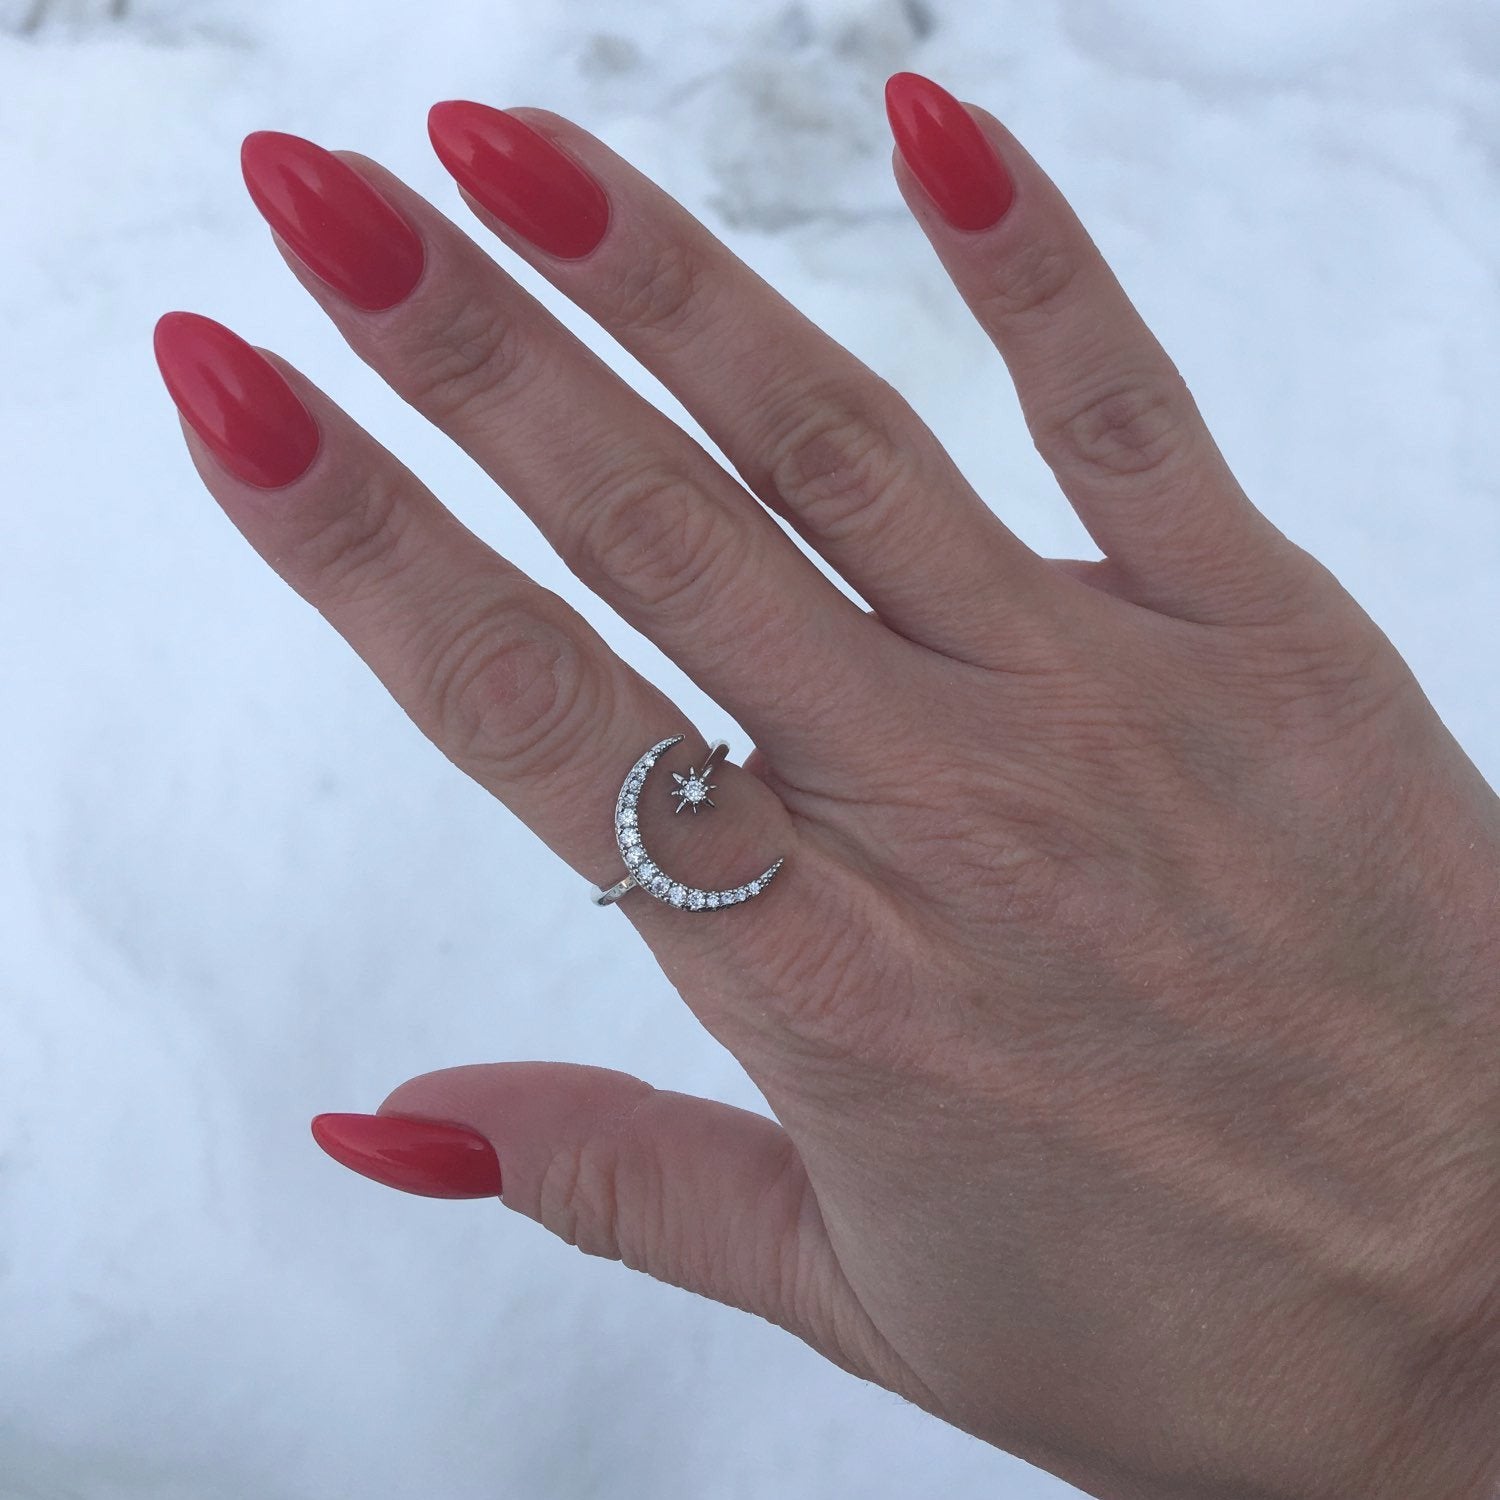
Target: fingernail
(340, 227)
(417, 1156)
(236, 400)
(520, 177)
(947, 152)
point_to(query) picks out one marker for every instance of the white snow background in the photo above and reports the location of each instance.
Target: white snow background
(236, 887)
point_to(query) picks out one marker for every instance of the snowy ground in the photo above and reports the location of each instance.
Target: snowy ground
(236, 887)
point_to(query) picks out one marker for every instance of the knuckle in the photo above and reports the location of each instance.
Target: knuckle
(510, 688)
(349, 545)
(663, 289)
(837, 468)
(1034, 282)
(1335, 684)
(478, 349)
(1128, 428)
(654, 538)
(579, 1197)
(783, 1261)
(597, 1191)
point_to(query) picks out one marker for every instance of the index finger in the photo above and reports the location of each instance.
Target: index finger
(504, 677)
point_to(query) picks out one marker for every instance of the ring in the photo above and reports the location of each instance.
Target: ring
(641, 870)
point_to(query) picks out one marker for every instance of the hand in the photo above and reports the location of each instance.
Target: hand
(1128, 997)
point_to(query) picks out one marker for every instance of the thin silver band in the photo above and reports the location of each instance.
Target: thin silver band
(610, 894)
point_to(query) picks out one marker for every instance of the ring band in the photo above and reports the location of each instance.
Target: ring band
(610, 894)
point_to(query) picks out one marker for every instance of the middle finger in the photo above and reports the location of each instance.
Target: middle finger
(635, 507)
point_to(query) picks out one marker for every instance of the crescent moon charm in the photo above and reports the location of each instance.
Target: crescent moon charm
(644, 871)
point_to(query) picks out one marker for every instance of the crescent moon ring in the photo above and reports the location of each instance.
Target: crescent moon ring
(643, 871)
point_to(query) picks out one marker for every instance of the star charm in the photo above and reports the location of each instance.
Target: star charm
(691, 790)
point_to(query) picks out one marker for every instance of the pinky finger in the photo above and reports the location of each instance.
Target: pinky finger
(1105, 405)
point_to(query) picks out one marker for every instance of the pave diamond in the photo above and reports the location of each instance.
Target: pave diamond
(694, 790)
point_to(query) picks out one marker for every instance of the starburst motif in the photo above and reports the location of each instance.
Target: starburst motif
(692, 790)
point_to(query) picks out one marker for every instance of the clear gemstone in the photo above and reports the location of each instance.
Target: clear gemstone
(712, 899)
(634, 856)
(753, 888)
(677, 895)
(696, 900)
(627, 816)
(694, 790)
(660, 884)
(629, 836)
(647, 870)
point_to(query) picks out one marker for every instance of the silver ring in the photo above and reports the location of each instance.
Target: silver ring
(642, 871)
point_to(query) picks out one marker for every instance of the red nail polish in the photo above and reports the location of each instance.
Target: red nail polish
(338, 224)
(417, 1156)
(520, 177)
(947, 152)
(236, 400)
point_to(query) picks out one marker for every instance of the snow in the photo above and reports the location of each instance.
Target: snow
(237, 888)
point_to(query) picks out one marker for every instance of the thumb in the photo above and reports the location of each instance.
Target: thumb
(696, 1193)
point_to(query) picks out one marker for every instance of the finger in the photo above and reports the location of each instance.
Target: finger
(695, 1193)
(635, 507)
(1105, 406)
(814, 433)
(504, 677)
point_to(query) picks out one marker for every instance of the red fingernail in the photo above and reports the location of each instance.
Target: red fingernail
(520, 177)
(236, 400)
(946, 150)
(417, 1156)
(339, 226)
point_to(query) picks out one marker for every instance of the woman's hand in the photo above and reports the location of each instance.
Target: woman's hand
(1128, 996)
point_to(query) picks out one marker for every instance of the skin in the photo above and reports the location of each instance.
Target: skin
(1127, 1003)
